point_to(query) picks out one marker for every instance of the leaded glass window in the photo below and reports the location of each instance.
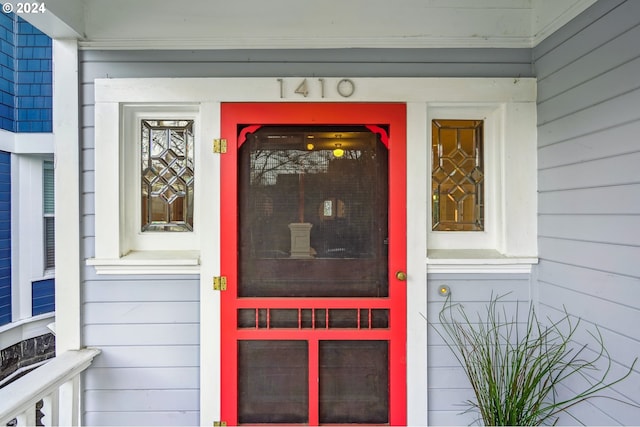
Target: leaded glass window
(457, 179)
(167, 175)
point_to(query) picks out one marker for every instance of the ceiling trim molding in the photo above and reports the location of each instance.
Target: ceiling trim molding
(269, 42)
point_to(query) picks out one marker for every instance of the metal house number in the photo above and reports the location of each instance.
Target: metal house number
(345, 87)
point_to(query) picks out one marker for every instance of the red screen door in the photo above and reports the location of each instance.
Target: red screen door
(313, 224)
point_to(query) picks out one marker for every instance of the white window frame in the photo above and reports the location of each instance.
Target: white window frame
(132, 237)
(516, 99)
(48, 271)
(121, 245)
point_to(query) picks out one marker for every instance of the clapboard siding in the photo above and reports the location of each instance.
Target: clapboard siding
(621, 140)
(447, 384)
(589, 188)
(140, 418)
(313, 62)
(148, 331)
(147, 327)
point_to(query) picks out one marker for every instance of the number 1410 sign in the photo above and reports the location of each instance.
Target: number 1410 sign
(345, 88)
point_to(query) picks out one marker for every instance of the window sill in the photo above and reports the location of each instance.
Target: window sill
(149, 262)
(477, 261)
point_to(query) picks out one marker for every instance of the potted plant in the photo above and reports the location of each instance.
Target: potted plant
(515, 367)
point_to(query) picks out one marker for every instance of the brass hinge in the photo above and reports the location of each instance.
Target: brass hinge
(219, 424)
(220, 283)
(220, 145)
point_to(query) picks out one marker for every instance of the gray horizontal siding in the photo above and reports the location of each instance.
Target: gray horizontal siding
(311, 62)
(148, 331)
(589, 188)
(448, 386)
(147, 327)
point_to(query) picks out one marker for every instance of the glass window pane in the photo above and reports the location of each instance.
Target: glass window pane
(49, 242)
(354, 382)
(313, 221)
(457, 175)
(48, 187)
(48, 205)
(273, 384)
(167, 175)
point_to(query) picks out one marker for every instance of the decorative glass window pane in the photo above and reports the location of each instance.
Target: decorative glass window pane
(48, 203)
(167, 175)
(457, 175)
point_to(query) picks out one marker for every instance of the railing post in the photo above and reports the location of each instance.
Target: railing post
(68, 398)
(50, 410)
(56, 383)
(27, 418)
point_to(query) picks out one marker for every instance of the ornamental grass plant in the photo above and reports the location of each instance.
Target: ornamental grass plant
(515, 368)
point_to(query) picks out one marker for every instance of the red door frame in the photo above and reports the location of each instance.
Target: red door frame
(374, 114)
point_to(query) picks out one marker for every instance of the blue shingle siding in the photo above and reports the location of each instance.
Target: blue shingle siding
(5, 238)
(33, 79)
(25, 77)
(7, 72)
(43, 296)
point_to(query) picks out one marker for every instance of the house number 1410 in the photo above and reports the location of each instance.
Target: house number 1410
(345, 87)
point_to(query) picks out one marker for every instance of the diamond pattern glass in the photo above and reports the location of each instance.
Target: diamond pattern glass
(167, 175)
(457, 175)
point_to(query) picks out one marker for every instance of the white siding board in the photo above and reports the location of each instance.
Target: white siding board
(606, 172)
(611, 55)
(588, 36)
(145, 418)
(618, 229)
(574, 27)
(448, 378)
(612, 258)
(614, 112)
(129, 290)
(163, 69)
(452, 418)
(618, 140)
(615, 200)
(87, 225)
(112, 313)
(141, 400)
(600, 284)
(88, 200)
(314, 62)
(88, 182)
(451, 399)
(593, 413)
(130, 335)
(593, 90)
(165, 378)
(148, 356)
(623, 319)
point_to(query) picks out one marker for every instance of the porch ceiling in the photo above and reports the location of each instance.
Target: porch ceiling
(304, 24)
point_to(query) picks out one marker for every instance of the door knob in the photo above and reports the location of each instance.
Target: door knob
(401, 275)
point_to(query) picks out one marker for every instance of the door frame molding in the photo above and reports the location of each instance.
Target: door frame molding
(516, 96)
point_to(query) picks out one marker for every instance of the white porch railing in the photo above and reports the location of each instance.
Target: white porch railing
(56, 383)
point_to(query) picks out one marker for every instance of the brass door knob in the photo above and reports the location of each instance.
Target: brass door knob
(401, 275)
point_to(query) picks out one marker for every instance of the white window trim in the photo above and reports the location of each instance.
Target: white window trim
(515, 97)
(126, 248)
(508, 244)
(27, 230)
